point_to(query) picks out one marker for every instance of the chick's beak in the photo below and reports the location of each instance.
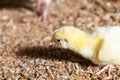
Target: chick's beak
(52, 43)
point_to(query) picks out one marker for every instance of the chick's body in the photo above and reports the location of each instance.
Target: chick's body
(101, 47)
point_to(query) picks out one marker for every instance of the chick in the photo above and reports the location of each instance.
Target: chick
(102, 46)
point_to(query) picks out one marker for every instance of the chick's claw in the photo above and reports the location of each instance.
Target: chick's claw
(107, 67)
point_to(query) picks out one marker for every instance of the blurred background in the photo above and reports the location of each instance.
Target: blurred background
(26, 27)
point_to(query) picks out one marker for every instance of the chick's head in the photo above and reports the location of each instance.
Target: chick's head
(67, 36)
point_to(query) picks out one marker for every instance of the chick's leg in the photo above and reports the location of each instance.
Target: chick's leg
(107, 67)
(38, 4)
(45, 13)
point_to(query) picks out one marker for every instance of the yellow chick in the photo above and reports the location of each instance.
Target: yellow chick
(102, 46)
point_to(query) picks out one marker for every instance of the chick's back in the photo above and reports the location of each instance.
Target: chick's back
(109, 52)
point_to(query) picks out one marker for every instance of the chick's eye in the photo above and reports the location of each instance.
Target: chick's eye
(58, 40)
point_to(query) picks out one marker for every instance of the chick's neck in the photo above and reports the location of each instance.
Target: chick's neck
(87, 45)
